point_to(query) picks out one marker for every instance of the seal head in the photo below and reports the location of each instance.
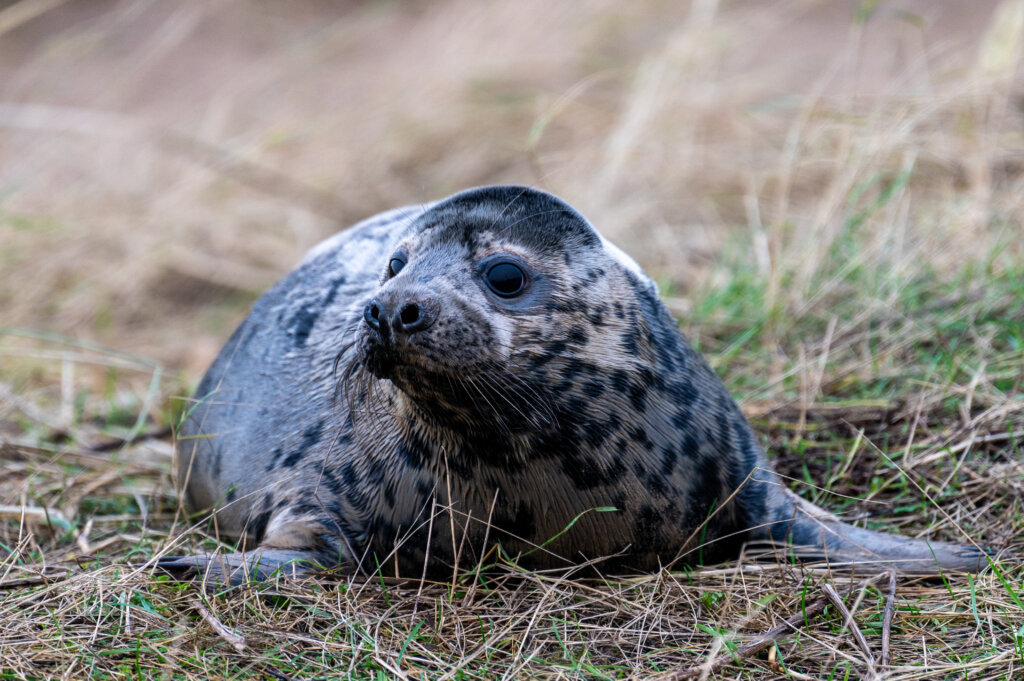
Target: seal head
(473, 300)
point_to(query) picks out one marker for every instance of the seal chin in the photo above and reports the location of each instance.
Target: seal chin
(395, 362)
(381, 364)
(379, 358)
(434, 388)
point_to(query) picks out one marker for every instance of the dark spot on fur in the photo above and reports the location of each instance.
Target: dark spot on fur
(522, 524)
(596, 432)
(584, 472)
(310, 437)
(629, 344)
(272, 464)
(375, 471)
(258, 525)
(706, 491)
(682, 392)
(690, 447)
(424, 489)
(349, 474)
(414, 451)
(389, 494)
(301, 324)
(638, 398)
(331, 480)
(556, 348)
(332, 290)
(538, 361)
(656, 485)
(577, 336)
(724, 439)
(668, 460)
(646, 530)
(357, 499)
(682, 419)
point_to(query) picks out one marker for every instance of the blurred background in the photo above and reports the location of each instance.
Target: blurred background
(162, 163)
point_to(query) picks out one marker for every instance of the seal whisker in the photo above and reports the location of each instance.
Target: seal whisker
(495, 413)
(513, 390)
(484, 384)
(530, 393)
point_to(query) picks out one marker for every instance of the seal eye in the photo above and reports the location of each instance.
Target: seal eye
(506, 279)
(395, 266)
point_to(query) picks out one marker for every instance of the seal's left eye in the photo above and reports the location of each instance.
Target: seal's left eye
(506, 279)
(395, 266)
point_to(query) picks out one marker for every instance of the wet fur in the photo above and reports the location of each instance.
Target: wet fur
(505, 422)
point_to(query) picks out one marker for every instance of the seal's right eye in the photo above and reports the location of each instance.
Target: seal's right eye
(506, 279)
(395, 266)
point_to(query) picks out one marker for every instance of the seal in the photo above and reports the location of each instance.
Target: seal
(485, 378)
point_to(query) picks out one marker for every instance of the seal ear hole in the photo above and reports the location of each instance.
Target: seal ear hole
(395, 266)
(506, 279)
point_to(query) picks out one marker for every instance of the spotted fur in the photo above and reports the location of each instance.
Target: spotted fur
(321, 439)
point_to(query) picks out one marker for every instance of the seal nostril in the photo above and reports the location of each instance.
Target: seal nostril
(410, 315)
(371, 313)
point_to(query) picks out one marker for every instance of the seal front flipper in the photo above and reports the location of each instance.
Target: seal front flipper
(294, 543)
(234, 569)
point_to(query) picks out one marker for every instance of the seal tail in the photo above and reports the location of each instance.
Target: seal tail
(818, 535)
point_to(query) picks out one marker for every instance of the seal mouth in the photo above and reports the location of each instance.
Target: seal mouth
(398, 360)
(379, 360)
(380, 356)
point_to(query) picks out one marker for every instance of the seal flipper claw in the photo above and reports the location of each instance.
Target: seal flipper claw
(235, 569)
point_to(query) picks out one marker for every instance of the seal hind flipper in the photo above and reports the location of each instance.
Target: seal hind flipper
(817, 535)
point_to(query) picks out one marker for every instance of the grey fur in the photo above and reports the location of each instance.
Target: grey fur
(321, 440)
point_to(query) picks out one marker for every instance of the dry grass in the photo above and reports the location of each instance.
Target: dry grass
(830, 197)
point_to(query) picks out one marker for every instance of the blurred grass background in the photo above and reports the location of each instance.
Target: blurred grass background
(829, 193)
(163, 163)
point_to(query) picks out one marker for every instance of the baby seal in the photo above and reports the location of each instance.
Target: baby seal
(486, 371)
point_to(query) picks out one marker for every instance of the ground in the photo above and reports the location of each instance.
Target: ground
(829, 193)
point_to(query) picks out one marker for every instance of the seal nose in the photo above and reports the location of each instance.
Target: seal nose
(411, 315)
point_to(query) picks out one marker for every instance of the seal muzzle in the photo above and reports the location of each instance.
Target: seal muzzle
(392, 322)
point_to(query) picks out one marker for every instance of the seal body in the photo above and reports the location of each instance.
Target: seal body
(484, 374)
